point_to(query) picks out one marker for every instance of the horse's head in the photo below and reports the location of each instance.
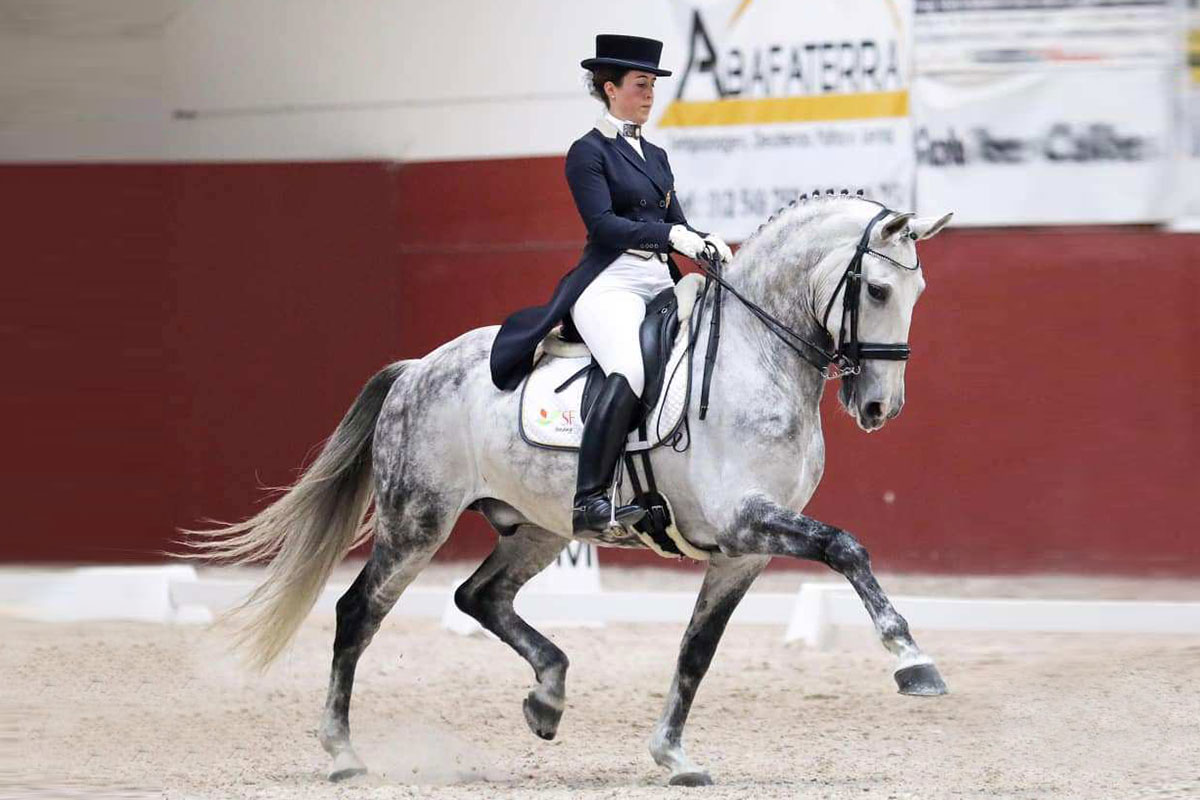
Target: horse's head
(890, 283)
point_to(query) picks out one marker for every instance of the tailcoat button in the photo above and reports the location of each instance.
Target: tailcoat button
(643, 201)
(662, 203)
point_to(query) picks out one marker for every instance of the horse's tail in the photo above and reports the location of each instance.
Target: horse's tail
(305, 532)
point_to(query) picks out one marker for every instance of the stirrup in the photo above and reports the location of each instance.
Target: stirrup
(598, 514)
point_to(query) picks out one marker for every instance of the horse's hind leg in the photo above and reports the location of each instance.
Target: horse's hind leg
(767, 528)
(725, 583)
(488, 597)
(401, 550)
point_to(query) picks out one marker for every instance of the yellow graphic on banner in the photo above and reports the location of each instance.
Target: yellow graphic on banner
(766, 110)
(1194, 56)
(737, 12)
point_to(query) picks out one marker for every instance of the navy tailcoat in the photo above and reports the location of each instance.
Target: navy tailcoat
(626, 202)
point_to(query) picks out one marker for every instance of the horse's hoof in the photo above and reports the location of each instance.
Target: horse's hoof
(339, 775)
(542, 718)
(691, 779)
(346, 765)
(920, 680)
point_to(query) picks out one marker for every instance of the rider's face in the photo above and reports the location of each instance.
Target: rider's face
(633, 99)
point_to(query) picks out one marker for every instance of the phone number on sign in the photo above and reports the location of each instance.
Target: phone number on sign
(761, 203)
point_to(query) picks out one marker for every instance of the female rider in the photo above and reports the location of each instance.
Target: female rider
(625, 193)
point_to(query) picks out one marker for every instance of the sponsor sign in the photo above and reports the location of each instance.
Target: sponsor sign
(1045, 148)
(1007, 35)
(1045, 111)
(1187, 211)
(777, 98)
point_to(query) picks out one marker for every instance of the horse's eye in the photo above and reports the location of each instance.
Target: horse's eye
(878, 292)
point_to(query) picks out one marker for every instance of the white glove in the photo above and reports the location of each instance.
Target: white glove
(685, 241)
(722, 248)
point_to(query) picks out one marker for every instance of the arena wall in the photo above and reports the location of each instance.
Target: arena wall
(304, 80)
(219, 219)
(180, 335)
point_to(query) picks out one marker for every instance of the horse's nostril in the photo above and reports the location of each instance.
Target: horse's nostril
(874, 410)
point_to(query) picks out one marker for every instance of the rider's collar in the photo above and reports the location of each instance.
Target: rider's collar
(606, 128)
(609, 125)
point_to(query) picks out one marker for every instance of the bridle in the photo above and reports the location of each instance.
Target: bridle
(851, 352)
(844, 360)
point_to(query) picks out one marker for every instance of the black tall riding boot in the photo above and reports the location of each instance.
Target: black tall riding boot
(604, 435)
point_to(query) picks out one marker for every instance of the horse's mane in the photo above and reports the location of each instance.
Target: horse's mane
(806, 200)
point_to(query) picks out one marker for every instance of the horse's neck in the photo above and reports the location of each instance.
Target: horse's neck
(761, 359)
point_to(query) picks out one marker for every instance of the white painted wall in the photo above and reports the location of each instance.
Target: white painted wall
(102, 80)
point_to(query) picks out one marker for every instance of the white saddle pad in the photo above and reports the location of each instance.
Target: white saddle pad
(552, 419)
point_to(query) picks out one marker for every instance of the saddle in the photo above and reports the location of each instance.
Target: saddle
(561, 389)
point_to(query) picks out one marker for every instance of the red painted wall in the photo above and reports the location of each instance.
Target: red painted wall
(176, 336)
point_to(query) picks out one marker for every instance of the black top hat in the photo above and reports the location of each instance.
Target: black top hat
(633, 52)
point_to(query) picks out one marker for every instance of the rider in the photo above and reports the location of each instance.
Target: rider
(624, 190)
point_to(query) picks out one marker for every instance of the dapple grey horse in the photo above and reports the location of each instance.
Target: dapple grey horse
(430, 438)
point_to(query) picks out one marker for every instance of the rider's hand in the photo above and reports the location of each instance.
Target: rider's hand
(722, 248)
(685, 241)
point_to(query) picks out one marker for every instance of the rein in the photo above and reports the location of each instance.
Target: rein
(847, 358)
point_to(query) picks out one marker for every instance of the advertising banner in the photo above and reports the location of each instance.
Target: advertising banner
(967, 35)
(1032, 112)
(777, 98)
(1045, 148)
(1186, 212)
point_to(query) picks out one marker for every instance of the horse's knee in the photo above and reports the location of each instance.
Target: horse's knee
(844, 553)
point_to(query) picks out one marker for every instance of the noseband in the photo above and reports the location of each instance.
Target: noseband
(846, 359)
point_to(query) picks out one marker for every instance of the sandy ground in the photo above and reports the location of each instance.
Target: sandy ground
(125, 709)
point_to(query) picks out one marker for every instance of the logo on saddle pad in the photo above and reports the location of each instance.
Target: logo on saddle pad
(563, 421)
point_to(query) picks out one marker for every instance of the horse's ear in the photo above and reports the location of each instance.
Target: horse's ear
(928, 227)
(893, 226)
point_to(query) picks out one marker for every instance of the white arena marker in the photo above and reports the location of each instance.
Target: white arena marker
(821, 606)
(219, 595)
(456, 621)
(566, 593)
(809, 622)
(142, 594)
(575, 571)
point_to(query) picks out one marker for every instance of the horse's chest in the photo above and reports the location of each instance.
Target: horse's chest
(784, 450)
(764, 423)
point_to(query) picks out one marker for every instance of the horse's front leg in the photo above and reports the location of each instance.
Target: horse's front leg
(763, 527)
(725, 583)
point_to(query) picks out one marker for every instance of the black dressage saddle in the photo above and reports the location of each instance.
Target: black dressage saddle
(657, 336)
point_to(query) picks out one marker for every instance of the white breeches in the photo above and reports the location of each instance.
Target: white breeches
(609, 314)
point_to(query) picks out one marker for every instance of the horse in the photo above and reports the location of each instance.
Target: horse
(430, 438)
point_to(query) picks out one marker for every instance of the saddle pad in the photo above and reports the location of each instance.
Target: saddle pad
(552, 419)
